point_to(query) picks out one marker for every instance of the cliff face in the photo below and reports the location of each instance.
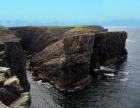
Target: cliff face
(109, 48)
(66, 62)
(69, 59)
(35, 39)
(13, 80)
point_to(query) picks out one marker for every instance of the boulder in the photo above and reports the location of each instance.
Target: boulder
(11, 89)
(13, 85)
(3, 105)
(22, 102)
(4, 74)
(6, 96)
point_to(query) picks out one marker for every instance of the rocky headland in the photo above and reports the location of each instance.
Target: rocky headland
(67, 56)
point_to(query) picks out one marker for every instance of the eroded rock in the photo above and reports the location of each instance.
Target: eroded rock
(66, 62)
(73, 58)
(13, 56)
(22, 102)
(13, 80)
(67, 56)
(4, 74)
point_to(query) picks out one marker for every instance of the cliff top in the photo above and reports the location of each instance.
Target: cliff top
(3, 29)
(61, 27)
(7, 35)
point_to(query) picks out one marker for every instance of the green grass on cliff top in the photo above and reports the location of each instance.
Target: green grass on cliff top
(78, 28)
(3, 29)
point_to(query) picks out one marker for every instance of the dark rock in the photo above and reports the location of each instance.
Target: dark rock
(59, 61)
(67, 56)
(4, 74)
(14, 56)
(13, 85)
(108, 48)
(35, 39)
(10, 91)
(13, 80)
(17, 62)
(7, 96)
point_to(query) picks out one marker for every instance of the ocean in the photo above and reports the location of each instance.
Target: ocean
(121, 89)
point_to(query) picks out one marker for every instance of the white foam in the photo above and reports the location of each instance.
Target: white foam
(127, 73)
(130, 41)
(110, 75)
(124, 79)
(106, 69)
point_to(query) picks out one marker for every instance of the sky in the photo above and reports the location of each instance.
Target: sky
(69, 11)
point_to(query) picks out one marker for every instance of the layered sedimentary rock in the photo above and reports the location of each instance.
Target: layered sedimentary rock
(35, 39)
(13, 80)
(109, 48)
(67, 56)
(66, 62)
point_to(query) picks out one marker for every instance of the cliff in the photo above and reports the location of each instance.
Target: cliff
(67, 56)
(13, 80)
(35, 39)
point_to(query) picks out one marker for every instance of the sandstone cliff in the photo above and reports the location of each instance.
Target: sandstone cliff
(13, 80)
(35, 39)
(67, 56)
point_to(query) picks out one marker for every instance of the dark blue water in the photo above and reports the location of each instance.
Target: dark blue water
(120, 90)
